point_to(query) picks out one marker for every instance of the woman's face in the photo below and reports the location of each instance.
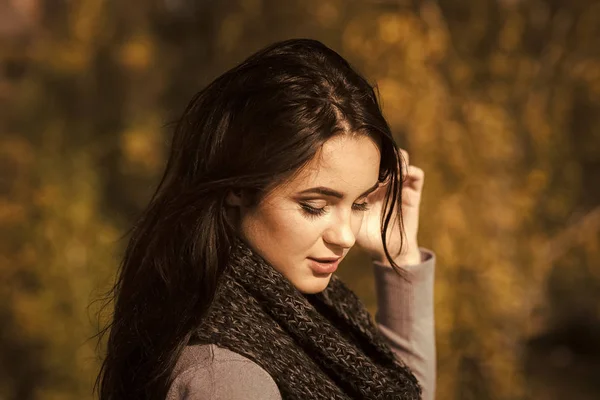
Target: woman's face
(297, 221)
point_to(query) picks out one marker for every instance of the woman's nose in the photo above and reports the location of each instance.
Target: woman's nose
(340, 233)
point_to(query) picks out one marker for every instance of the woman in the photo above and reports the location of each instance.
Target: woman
(227, 291)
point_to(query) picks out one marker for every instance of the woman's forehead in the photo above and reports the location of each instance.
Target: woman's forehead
(344, 163)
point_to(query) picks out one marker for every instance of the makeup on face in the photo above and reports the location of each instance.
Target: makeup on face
(305, 227)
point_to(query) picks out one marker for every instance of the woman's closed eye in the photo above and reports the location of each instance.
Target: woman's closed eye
(316, 211)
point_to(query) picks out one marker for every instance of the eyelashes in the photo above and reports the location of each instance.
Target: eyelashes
(314, 212)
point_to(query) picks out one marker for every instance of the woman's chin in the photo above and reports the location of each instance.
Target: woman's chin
(315, 284)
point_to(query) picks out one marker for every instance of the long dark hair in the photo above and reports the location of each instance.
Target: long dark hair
(250, 129)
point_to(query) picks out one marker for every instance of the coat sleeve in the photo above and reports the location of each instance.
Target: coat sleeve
(405, 316)
(233, 378)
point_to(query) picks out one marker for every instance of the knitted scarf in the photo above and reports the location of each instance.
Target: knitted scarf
(314, 346)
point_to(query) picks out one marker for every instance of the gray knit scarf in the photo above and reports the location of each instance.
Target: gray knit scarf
(314, 346)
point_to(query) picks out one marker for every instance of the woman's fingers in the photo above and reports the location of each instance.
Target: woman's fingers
(415, 178)
(412, 185)
(405, 161)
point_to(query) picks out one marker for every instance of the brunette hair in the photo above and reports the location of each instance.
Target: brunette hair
(250, 129)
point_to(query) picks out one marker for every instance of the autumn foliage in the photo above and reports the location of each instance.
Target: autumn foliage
(498, 101)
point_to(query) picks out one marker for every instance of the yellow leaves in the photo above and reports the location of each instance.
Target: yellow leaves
(501, 65)
(353, 37)
(69, 58)
(445, 244)
(326, 12)
(17, 157)
(107, 235)
(557, 207)
(378, 37)
(524, 199)
(492, 130)
(396, 100)
(11, 213)
(137, 54)
(73, 54)
(535, 119)
(451, 138)
(46, 195)
(252, 7)
(527, 69)
(394, 28)
(416, 53)
(452, 215)
(587, 70)
(420, 43)
(86, 20)
(511, 32)
(81, 212)
(437, 36)
(230, 31)
(436, 43)
(142, 148)
(76, 253)
(53, 271)
(461, 73)
(16, 150)
(31, 313)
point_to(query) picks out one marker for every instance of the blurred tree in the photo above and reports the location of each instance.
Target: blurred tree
(496, 100)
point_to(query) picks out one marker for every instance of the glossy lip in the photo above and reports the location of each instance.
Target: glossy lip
(324, 267)
(325, 259)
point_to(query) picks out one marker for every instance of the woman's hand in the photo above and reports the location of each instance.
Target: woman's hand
(369, 236)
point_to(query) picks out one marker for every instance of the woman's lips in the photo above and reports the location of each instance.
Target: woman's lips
(323, 267)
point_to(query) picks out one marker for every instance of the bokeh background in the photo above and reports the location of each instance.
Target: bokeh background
(497, 100)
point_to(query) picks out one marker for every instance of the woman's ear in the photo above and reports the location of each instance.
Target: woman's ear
(234, 198)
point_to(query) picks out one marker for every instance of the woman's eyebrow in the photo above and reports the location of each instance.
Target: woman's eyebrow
(325, 191)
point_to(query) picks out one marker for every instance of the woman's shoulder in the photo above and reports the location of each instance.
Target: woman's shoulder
(207, 371)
